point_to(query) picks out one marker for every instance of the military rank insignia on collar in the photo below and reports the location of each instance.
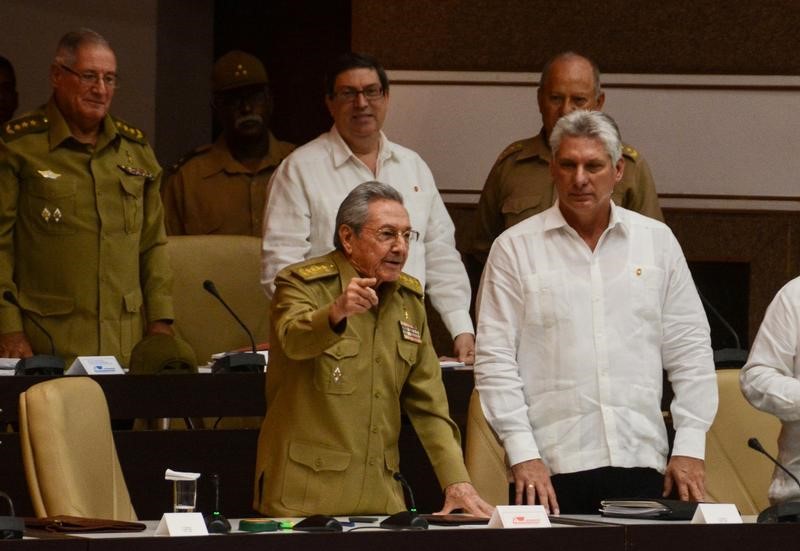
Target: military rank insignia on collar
(409, 332)
(133, 171)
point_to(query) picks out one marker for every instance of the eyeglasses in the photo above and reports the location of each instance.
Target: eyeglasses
(90, 78)
(370, 93)
(387, 235)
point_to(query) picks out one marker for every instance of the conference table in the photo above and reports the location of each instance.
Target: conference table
(567, 534)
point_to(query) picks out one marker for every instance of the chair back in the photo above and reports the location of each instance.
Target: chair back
(233, 263)
(68, 451)
(734, 472)
(485, 457)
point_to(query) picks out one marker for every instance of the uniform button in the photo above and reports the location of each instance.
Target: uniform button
(371, 461)
(374, 429)
(318, 462)
(377, 395)
(377, 361)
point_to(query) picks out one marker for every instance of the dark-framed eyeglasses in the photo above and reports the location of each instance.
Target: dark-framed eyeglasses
(370, 93)
(90, 78)
(388, 234)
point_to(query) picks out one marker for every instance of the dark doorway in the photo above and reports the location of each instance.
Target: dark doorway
(295, 39)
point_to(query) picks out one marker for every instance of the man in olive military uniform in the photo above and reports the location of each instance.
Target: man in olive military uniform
(82, 241)
(350, 351)
(222, 188)
(519, 184)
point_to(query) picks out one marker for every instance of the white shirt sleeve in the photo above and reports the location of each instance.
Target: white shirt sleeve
(287, 224)
(769, 379)
(687, 357)
(501, 302)
(446, 276)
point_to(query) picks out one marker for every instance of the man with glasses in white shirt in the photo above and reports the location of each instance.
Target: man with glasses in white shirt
(581, 307)
(308, 187)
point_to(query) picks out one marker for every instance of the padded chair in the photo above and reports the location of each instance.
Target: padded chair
(734, 472)
(68, 451)
(485, 457)
(233, 263)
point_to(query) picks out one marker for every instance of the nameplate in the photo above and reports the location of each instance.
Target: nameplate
(95, 365)
(519, 516)
(716, 513)
(182, 524)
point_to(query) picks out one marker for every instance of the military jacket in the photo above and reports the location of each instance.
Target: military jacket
(82, 241)
(329, 440)
(519, 186)
(213, 193)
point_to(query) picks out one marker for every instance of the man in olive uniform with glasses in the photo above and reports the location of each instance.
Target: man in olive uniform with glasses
(82, 241)
(222, 188)
(350, 351)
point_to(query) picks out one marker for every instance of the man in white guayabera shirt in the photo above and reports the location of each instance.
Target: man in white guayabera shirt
(310, 184)
(580, 309)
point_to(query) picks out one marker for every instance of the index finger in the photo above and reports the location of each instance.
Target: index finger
(364, 281)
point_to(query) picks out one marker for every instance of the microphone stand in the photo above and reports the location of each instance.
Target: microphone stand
(238, 362)
(786, 512)
(405, 519)
(39, 364)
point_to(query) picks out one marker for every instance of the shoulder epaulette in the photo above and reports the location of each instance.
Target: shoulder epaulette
(190, 155)
(411, 283)
(27, 124)
(316, 270)
(130, 132)
(629, 151)
(513, 148)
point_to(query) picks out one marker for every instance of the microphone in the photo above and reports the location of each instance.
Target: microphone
(239, 362)
(788, 511)
(726, 357)
(39, 364)
(216, 522)
(405, 519)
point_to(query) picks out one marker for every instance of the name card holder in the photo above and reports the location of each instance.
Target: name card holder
(182, 524)
(519, 516)
(716, 513)
(95, 365)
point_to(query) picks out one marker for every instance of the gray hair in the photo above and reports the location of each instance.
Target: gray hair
(354, 210)
(588, 124)
(66, 51)
(598, 90)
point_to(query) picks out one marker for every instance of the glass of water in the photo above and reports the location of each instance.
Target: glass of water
(184, 496)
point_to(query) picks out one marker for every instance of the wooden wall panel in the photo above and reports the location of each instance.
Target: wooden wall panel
(624, 36)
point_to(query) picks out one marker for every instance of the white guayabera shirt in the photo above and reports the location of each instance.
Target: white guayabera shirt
(571, 344)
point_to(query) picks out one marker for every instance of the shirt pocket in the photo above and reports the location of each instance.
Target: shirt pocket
(545, 301)
(50, 205)
(407, 358)
(518, 208)
(132, 202)
(314, 477)
(338, 368)
(646, 284)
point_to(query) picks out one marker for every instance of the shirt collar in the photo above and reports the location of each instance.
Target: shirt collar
(348, 272)
(342, 153)
(537, 147)
(220, 158)
(59, 131)
(553, 219)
